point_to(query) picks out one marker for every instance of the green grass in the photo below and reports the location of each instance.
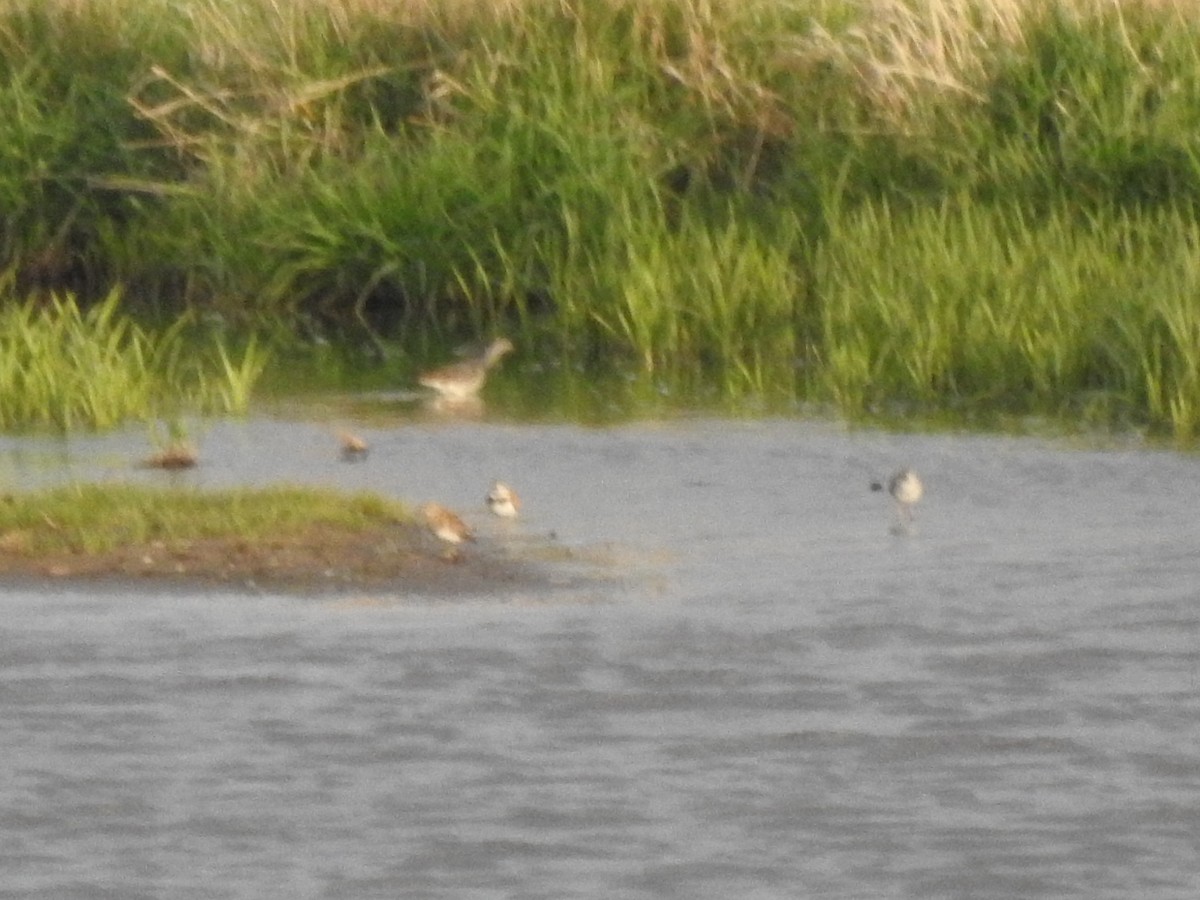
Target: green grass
(690, 305)
(97, 518)
(891, 209)
(64, 368)
(981, 309)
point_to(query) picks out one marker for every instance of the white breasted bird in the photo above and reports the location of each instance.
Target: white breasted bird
(907, 490)
(503, 501)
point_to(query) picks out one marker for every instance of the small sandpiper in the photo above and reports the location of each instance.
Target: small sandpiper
(354, 448)
(503, 501)
(906, 488)
(462, 380)
(445, 525)
(176, 455)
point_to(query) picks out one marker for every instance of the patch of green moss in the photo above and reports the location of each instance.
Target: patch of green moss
(99, 518)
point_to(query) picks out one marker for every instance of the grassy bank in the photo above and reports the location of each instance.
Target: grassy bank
(63, 367)
(282, 537)
(883, 209)
(293, 536)
(97, 519)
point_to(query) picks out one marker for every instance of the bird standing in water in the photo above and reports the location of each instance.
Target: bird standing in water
(354, 448)
(906, 488)
(462, 380)
(503, 501)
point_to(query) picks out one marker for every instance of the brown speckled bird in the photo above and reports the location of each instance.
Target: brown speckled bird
(445, 525)
(353, 447)
(463, 380)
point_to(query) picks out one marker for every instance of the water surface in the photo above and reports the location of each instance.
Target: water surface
(759, 689)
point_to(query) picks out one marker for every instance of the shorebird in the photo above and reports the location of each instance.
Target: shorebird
(906, 488)
(174, 456)
(462, 380)
(175, 451)
(354, 447)
(503, 501)
(445, 525)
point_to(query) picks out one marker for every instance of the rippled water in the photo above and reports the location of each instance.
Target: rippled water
(760, 691)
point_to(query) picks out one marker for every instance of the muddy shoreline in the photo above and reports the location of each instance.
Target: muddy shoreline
(396, 559)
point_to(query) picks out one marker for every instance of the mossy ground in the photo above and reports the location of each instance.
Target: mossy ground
(278, 537)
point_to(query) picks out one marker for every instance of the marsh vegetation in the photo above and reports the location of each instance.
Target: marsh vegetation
(301, 536)
(63, 367)
(97, 518)
(887, 209)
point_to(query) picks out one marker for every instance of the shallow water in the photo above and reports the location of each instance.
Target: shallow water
(760, 689)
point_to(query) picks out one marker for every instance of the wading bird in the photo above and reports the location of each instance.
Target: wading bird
(447, 527)
(462, 380)
(503, 501)
(906, 488)
(354, 448)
